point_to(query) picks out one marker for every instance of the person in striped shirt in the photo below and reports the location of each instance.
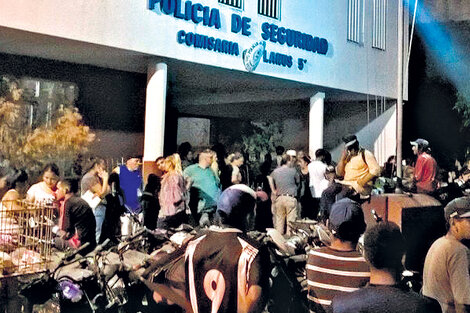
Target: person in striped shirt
(338, 268)
(384, 247)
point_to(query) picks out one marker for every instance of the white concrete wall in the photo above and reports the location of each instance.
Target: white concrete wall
(129, 25)
(379, 137)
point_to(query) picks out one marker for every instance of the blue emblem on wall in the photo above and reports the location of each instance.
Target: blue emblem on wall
(252, 56)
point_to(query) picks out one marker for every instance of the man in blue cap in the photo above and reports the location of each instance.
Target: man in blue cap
(338, 268)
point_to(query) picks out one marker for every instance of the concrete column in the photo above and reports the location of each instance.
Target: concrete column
(155, 103)
(315, 123)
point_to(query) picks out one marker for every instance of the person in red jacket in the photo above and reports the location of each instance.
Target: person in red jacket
(425, 169)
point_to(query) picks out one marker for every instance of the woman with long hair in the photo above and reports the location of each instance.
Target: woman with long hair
(15, 183)
(308, 207)
(95, 181)
(44, 191)
(186, 155)
(172, 194)
(236, 160)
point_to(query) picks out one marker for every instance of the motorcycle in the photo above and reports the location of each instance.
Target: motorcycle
(288, 277)
(99, 282)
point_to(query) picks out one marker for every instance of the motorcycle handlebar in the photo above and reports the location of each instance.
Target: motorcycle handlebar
(137, 234)
(74, 253)
(100, 247)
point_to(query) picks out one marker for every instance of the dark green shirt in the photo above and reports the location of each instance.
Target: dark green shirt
(207, 184)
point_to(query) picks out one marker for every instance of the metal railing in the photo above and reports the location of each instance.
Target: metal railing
(26, 237)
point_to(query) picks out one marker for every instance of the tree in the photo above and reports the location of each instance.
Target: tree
(462, 105)
(264, 139)
(60, 138)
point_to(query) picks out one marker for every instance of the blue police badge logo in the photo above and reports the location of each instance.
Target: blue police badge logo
(252, 56)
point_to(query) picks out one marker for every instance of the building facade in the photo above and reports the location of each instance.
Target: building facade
(213, 58)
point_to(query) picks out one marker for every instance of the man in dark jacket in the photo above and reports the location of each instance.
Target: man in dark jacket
(78, 220)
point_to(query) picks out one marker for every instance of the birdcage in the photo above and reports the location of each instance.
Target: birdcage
(25, 237)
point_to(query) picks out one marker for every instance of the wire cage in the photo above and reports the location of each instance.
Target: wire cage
(26, 237)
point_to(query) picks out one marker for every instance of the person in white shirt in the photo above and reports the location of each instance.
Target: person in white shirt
(44, 191)
(316, 169)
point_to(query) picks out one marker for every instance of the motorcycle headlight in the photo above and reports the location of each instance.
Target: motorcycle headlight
(70, 290)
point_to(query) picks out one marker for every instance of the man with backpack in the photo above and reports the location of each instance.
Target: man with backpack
(357, 167)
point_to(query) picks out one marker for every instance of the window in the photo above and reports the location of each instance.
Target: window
(233, 3)
(355, 20)
(269, 8)
(379, 24)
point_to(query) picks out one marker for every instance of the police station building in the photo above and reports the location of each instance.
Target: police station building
(321, 68)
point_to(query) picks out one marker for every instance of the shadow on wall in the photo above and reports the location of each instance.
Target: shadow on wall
(379, 137)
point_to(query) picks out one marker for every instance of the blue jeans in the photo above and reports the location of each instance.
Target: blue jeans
(99, 213)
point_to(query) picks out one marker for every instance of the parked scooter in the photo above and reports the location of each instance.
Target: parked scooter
(288, 277)
(98, 282)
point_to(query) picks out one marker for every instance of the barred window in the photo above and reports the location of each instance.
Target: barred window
(269, 8)
(379, 24)
(355, 20)
(233, 3)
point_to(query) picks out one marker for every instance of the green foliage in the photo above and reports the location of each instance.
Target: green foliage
(266, 136)
(264, 139)
(462, 105)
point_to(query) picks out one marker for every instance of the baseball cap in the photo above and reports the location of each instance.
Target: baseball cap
(237, 200)
(349, 140)
(346, 211)
(291, 153)
(420, 142)
(458, 208)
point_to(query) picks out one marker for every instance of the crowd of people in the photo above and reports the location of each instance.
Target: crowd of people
(217, 189)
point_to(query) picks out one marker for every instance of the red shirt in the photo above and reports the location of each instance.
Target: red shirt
(425, 173)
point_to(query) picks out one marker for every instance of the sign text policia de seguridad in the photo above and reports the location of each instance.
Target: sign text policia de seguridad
(210, 17)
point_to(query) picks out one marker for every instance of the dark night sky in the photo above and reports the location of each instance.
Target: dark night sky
(429, 112)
